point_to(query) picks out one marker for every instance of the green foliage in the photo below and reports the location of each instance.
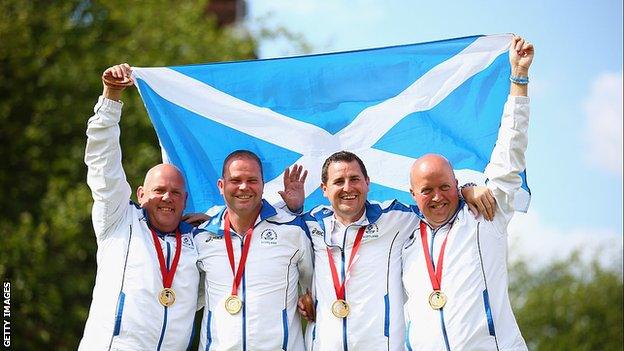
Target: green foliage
(52, 54)
(569, 305)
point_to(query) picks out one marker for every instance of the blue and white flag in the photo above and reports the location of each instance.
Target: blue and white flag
(387, 105)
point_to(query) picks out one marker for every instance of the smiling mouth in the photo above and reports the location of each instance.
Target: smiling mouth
(437, 206)
(166, 209)
(243, 197)
(348, 197)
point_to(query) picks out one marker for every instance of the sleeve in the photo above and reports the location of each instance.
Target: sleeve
(281, 204)
(105, 175)
(508, 160)
(306, 265)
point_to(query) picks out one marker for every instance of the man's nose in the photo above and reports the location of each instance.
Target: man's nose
(166, 196)
(436, 195)
(243, 186)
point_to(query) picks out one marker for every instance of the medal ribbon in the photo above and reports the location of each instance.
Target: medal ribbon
(238, 275)
(435, 275)
(340, 288)
(167, 275)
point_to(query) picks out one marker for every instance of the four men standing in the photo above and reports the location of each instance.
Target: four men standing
(254, 257)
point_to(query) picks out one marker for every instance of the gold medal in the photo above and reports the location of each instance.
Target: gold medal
(437, 299)
(167, 297)
(340, 308)
(233, 304)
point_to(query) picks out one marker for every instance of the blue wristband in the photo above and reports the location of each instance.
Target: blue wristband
(519, 80)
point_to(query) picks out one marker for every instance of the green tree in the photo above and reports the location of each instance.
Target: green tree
(52, 54)
(569, 305)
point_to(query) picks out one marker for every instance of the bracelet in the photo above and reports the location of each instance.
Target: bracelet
(519, 80)
(461, 196)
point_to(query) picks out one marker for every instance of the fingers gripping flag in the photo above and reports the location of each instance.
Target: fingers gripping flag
(388, 105)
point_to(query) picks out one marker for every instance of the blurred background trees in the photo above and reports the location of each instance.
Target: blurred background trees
(571, 304)
(52, 54)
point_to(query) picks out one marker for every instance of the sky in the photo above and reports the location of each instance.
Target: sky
(574, 158)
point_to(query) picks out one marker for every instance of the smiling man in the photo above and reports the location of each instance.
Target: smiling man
(253, 258)
(455, 266)
(357, 262)
(145, 293)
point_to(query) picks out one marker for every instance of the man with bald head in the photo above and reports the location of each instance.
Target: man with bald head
(146, 287)
(455, 266)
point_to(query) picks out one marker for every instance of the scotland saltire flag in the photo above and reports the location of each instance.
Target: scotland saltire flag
(388, 105)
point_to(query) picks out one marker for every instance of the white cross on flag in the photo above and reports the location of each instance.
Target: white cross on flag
(387, 105)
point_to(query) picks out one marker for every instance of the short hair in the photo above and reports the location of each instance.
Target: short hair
(238, 154)
(341, 156)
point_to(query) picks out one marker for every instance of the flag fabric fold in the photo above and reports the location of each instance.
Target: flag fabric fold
(388, 105)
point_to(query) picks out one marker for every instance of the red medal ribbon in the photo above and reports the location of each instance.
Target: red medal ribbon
(167, 275)
(340, 288)
(238, 275)
(434, 275)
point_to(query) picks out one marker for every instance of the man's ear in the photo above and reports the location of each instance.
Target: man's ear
(140, 195)
(220, 185)
(324, 188)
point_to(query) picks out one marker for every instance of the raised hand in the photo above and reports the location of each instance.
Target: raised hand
(520, 56)
(115, 79)
(294, 192)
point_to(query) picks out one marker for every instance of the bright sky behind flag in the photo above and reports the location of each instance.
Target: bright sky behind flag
(575, 143)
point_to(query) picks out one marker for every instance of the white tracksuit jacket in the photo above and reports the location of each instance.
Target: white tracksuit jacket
(125, 313)
(279, 260)
(373, 289)
(477, 315)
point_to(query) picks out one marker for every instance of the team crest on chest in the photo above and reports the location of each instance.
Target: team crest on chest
(371, 232)
(268, 237)
(187, 242)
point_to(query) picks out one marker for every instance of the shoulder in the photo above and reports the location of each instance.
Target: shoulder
(376, 210)
(282, 220)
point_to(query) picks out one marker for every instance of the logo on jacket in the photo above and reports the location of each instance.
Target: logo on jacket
(268, 237)
(187, 242)
(212, 236)
(317, 232)
(371, 232)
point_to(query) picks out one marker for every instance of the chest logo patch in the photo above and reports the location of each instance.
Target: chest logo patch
(317, 232)
(371, 232)
(268, 237)
(213, 236)
(187, 242)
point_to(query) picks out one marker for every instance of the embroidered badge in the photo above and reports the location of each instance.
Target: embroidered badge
(372, 231)
(268, 237)
(187, 242)
(317, 232)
